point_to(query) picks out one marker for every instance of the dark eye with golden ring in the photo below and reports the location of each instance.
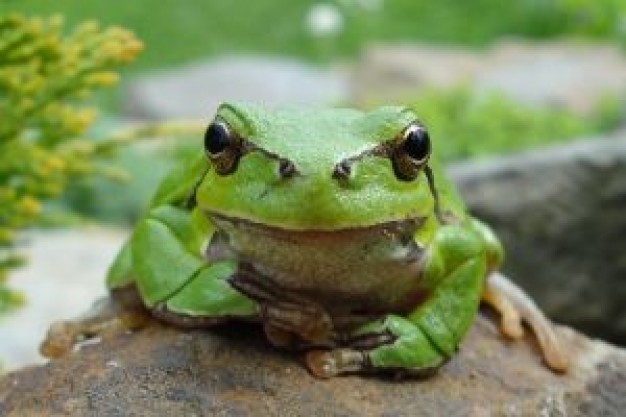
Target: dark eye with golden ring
(222, 147)
(417, 143)
(411, 152)
(217, 138)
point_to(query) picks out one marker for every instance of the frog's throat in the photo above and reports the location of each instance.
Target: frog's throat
(403, 229)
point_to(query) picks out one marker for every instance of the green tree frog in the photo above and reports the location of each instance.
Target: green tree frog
(335, 229)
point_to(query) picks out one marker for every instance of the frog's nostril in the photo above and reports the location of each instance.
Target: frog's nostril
(287, 169)
(342, 170)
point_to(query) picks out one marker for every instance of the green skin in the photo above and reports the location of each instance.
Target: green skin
(368, 320)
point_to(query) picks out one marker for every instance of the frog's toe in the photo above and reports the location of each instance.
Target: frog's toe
(330, 363)
(517, 307)
(510, 319)
(511, 324)
(393, 345)
(106, 319)
(59, 340)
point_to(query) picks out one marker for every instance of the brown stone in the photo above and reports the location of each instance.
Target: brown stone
(232, 371)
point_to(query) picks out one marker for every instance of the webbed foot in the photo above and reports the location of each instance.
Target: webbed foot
(516, 308)
(107, 318)
(329, 363)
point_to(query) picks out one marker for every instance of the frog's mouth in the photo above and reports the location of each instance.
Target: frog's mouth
(402, 230)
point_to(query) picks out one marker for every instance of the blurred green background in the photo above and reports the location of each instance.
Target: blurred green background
(177, 31)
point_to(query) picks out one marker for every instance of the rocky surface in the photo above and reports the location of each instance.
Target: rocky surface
(233, 372)
(397, 72)
(195, 91)
(571, 75)
(560, 212)
(561, 74)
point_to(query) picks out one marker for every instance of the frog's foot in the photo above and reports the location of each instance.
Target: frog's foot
(329, 363)
(516, 307)
(107, 318)
(393, 345)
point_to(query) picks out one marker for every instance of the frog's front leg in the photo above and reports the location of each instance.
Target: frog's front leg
(164, 264)
(454, 269)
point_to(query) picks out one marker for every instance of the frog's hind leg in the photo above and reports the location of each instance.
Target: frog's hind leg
(516, 307)
(206, 300)
(108, 317)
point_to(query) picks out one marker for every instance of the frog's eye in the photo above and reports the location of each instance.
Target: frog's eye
(411, 152)
(417, 143)
(219, 138)
(223, 147)
(216, 138)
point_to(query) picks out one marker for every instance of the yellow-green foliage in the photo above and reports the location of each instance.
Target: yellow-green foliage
(45, 76)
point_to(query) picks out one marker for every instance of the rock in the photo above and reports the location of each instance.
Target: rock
(562, 74)
(560, 212)
(196, 90)
(399, 72)
(64, 275)
(234, 372)
(559, 74)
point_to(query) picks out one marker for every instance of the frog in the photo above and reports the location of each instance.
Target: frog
(335, 229)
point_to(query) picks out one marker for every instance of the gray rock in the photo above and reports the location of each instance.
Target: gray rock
(560, 74)
(560, 212)
(557, 74)
(399, 72)
(163, 371)
(196, 90)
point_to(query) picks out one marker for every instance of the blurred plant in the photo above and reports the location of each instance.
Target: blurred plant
(470, 125)
(595, 18)
(339, 28)
(45, 77)
(145, 165)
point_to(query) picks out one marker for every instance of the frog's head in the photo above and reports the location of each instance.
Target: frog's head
(316, 169)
